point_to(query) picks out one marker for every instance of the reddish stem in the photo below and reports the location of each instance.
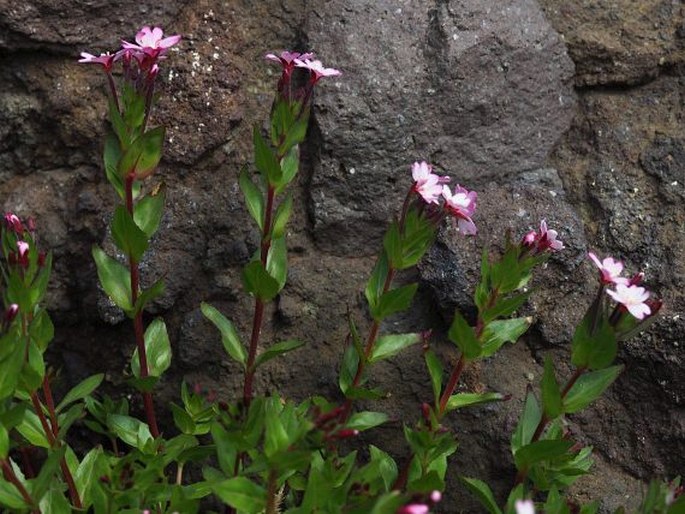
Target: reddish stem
(11, 477)
(47, 392)
(451, 384)
(138, 321)
(55, 443)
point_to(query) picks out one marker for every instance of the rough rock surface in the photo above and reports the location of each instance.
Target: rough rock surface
(482, 88)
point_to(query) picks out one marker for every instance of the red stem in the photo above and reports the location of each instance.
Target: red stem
(47, 392)
(451, 384)
(11, 477)
(55, 443)
(138, 321)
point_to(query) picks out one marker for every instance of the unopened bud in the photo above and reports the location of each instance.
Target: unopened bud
(426, 411)
(11, 313)
(414, 508)
(346, 433)
(435, 496)
(637, 279)
(13, 223)
(31, 224)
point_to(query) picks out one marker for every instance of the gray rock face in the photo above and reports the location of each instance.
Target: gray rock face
(481, 89)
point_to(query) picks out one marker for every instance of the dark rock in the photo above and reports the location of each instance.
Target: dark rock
(481, 90)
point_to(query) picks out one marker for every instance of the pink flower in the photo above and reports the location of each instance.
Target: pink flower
(23, 248)
(287, 59)
(609, 270)
(316, 68)
(427, 183)
(414, 508)
(462, 205)
(633, 298)
(106, 60)
(435, 496)
(524, 507)
(151, 41)
(546, 239)
(13, 223)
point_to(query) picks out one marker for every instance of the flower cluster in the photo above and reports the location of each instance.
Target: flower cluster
(291, 60)
(628, 293)
(16, 245)
(150, 46)
(461, 204)
(539, 242)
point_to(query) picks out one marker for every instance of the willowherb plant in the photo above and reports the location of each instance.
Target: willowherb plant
(267, 453)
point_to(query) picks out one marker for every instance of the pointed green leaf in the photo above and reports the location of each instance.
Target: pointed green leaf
(527, 424)
(254, 199)
(114, 278)
(589, 387)
(348, 368)
(393, 301)
(130, 430)
(295, 133)
(86, 477)
(144, 154)
(146, 296)
(388, 345)
(365, 420)
(594, 343)
(265, 159)
(277, 349)
(148, 212)
(41, 329)
(259, 282)
(551, 394)
(461, 334)
(435, 370)
(461, 400)
(392, 242)
(375, 285)
(242, 494)
(126, 234)
(277, 261)
(417, 237)
(498, 332)
(229, 335)
(505, 307)
(4, 442)
(157, 349)
(10, 497)
(47, 473)
(290, 164)
(483, 492)
(541, 451)
(81, 390)
(281, 217)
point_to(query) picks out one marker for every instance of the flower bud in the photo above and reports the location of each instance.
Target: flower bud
(13, 223)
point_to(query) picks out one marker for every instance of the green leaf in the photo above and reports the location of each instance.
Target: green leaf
(265, 159)
(229, 335)
(47, 473)
(114, 278)
(281, 217)
(144, 154)
(394, 300)
(85, 476)
(392, 242)
(541, 451)
(295, 133)
(389, 345)
(290, 164)
(348, 368)
(146, 296)
(10, 497)
(259, 282)
(182, 419)
(461, 400)
(157, 349)
(498, 332)
(4, 442)
(130, 430)
(277, 261)
(126, 234)
(594, 343)
(148, 212)
(527, 424)
(435, 371)
(81, 390)
(111, 157)
(376, 283)
(242, 494)
(483, 492)
(276, 350)
(387, 468)
(10, 369)
(461, 334)
(41, 330)
(418, 235)
(589, 387)
(504, 307)
(34, 369)
(551, 394)
(254, 199)
(365, 420)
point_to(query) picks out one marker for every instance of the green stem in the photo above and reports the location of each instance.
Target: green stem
(138, 321)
